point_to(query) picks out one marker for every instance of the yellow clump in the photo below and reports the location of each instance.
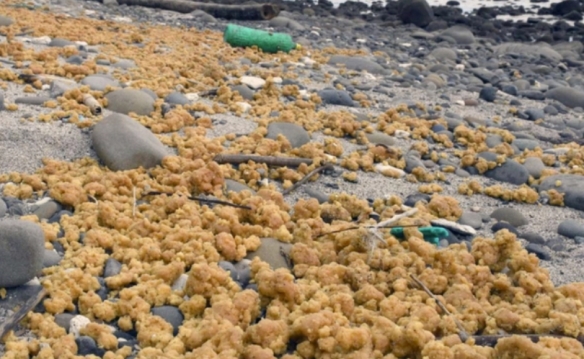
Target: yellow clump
(445, 207)
(350, 177)
(430, 188)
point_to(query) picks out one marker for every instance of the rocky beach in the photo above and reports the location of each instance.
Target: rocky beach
(166, 195)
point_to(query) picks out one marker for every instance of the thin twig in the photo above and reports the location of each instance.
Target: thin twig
(367, 227)
(461, 331)
(328, 166)
(202, 200)
(269, 160)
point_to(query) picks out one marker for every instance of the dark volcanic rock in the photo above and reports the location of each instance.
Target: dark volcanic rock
(416, 12)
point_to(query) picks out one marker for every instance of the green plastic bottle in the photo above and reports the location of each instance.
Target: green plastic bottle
(272, 42)
(431, 234)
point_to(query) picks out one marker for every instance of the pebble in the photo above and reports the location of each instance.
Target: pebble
(567, 96)
(170, 314)
(87, 346)
(244, 91)
(488, 94)
(47, 209)
(59, 87)
(356, 63)
(532, 237)
(377, 137)
(112, 267)
(336, 97)
(253, 82)
(540, 251)
(99, 82)
(571, 185)
(129, 100)
(510, 215)
(3, 208)
(318, 195)
(22, 252)
(235, 186)
(295, 134)
(77, 323)
(534, 166)
(471, 219)
(273, 252)
(510, 172)
(51, 258)
(180, 283)
(64, 320)
(122, 143)
(176, 98)
(504, 225)
(571, 228)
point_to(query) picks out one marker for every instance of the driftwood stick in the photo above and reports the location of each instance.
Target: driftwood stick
(328, 166)
(491, 340)
(28, 297)
(228, 12)
(202, 200)
(461, 331)
(269, 160)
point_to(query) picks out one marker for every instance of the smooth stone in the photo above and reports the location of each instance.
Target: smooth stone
(413, 162)
(129, 100)
(77, 323)
(176, 98)
(443, 54)
(124, 64)
(534, 166)
(32, 100)
(461, 34)
(318, 195)
(22, 251)
(336, 97)
(356, 64)
(122, 143)
(567, 96)
(235, 186)
(380, 138)
(524, 143)
(540, 251)
(202, 16)
(112, 267)
(6, 21)
(414, 198)
(381, 168)
(417, 12)
(493, 140)
(150, 93)
(170, 314)
(488, 93)
(3, 208)
(286, 23)
(510, 172)
(51, 258)
(243, 272)
(471, 219)
(295, 134)
(534, 114)
(273, 252)
(180, 283)
(64, 320)
(571, 185)
(532, 237)
(47, 209)
(75, 60)
(58, 88)
(504, 225)
(528, 49)
(99, 82)
(253, 82)
(56, 42)
(87, 346)
(56, 218)
(244, 91)
(571, 228)
(510, 215)
(454, 227)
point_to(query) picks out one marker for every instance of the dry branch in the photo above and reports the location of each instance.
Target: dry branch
(201, 200)
(269, 160)
(307, 177)
(228, 12)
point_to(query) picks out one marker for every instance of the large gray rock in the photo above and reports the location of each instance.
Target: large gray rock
(567, 96)
(130, 100)
(273, 252)
(336, 97)
(170, 314)
(123, 144)
(510, 172)
(534, 166)
(417, 12)
(571, 185)
(296, 135)
(380, 138)
(571, 228)
(443, 54)
(356, 63)
(234, 186)
(5, 20)
(286, 23)
(22, 250)
(529, 50)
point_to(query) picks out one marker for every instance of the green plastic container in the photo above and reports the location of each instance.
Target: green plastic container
(272, 42)
(431, 234)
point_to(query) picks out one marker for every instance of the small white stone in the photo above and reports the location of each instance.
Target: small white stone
(457, 227)
(78, 322)
(380, 168)
(369, 77)
(43, 40)
(315, 33)
(89, 12)
(180, 283)
(244, 106)
(401, 134)
(406, 44)
(303, 93)
(308, 61)
(81, 43)
(46, 87)
(277, 80)
(34, 281)
(316, 28)
(192, 96)
(253, 82)
(265, 182)
(406, 65)
(459, 102)
(459, 67)
(42, 201)
(124, 19)
(361, 41)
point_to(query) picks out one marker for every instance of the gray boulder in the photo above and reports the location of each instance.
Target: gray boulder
(417, 12)
(567, 96)
(296, 135)
(22, 251)
(130, 100)
(356, 63)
